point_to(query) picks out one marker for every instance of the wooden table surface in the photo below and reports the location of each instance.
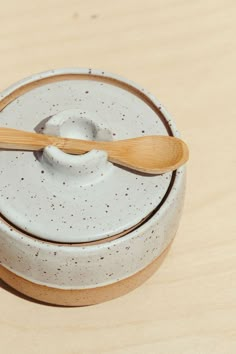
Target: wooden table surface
(184, 52)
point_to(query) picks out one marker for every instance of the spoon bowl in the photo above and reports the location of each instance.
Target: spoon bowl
(149, 154)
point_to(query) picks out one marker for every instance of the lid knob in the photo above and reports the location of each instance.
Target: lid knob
(86, 168)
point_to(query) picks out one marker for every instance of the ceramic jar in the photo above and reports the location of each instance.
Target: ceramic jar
(78, 230)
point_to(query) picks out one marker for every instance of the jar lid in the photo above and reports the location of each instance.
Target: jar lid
(74, 199)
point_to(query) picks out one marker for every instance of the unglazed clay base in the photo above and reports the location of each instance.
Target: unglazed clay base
(80, 297)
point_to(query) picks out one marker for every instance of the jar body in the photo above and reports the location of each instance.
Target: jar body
(81, 274)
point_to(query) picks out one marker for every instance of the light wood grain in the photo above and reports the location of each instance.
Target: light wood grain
(184, 52)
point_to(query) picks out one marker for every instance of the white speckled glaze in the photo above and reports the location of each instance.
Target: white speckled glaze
(52, 201)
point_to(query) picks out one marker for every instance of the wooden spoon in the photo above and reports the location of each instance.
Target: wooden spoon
(150, 154)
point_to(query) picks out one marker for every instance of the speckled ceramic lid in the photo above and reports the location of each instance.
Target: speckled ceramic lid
(66, 198)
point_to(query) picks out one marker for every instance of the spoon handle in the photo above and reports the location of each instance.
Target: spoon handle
(21, 140)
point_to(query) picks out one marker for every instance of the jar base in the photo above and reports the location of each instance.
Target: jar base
(79, 297)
